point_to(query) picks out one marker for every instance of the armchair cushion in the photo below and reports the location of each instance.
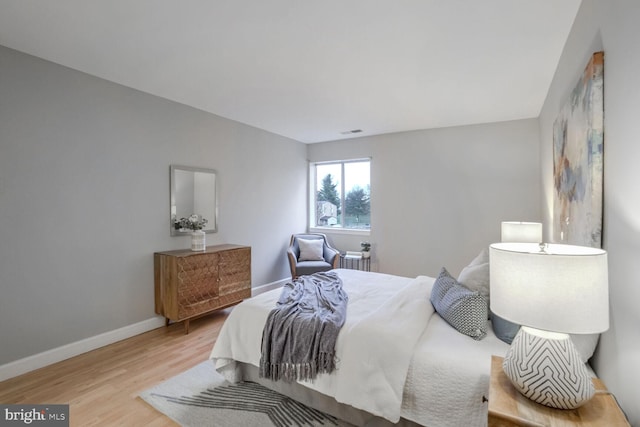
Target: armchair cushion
(310, 267)
(311, 250)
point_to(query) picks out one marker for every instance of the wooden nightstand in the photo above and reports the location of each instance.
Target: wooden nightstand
(507, 407)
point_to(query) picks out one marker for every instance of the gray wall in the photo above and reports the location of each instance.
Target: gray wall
(438, 196)
(611, 26)
(84, 199)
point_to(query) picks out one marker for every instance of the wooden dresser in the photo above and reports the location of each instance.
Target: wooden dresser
(189, 284)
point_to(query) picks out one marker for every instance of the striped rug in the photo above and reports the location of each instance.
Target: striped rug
(201, 397)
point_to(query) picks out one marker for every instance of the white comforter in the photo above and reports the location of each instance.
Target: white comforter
(448, 377)
(395, 356)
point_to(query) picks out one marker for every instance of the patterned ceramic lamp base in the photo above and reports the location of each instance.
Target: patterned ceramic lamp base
(547, 368)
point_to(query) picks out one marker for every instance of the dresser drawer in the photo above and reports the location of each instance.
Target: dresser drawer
(234, 271)
(197, 278)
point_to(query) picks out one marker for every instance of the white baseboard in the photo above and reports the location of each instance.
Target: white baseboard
(269, 286)
(40, 360)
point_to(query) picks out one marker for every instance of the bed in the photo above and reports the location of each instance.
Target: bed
(399, 361)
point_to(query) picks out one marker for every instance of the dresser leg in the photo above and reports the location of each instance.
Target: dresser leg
(186, 326)
(166, 321)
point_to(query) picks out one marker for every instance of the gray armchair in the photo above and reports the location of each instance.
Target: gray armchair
(330, 256)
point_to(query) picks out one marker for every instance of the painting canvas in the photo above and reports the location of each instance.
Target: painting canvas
(578, 138)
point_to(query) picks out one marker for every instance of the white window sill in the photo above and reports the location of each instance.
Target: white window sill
(340, 230)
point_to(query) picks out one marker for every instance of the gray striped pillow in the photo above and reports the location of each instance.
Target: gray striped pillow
(462, 308)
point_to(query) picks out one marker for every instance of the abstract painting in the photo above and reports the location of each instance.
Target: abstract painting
(578, 139)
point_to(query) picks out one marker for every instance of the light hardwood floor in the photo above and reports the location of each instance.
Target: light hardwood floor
(102, 386)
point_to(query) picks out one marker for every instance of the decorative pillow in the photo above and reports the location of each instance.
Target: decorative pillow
(464, 309)
(310, 249)
(482, 258)
(475, 276)
(504, 329)
(586, 344)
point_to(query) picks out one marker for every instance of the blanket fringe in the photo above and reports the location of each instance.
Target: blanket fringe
(290, 372)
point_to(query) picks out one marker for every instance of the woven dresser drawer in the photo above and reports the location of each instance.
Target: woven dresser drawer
(197, 278)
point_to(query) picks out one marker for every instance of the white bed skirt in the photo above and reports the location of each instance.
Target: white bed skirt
(319, 401)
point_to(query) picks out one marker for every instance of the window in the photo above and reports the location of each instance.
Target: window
(340, 195)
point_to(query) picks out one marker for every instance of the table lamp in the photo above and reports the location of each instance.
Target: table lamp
(523, 232)
(552, 290)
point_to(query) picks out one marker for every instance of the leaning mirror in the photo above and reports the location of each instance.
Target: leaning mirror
(193, 191)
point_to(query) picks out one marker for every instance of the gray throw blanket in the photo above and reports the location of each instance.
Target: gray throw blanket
(299, 336)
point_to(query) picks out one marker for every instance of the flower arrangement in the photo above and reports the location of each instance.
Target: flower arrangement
(366, 246)
(193, 223)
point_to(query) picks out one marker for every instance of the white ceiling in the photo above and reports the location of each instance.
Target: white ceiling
(311, 69)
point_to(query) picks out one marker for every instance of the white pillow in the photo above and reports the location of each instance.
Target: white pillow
(475, 276)
(586, 344)
(311, 249)
(482, 258)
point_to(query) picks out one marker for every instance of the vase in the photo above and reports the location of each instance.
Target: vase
(198, 240)
(366, 254)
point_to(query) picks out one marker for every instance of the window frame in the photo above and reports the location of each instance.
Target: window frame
(313, 191)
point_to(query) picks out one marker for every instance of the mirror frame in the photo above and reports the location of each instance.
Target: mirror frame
(212, 224)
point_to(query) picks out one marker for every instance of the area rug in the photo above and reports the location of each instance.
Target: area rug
(201, 397)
